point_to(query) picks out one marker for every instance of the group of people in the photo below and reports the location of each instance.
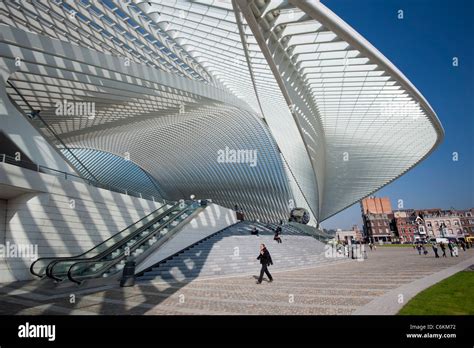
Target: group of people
(276, 236)
(452, 246)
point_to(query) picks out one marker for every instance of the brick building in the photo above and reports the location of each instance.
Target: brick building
(467, 221)
(376, 205)
(405, 226)
(377, 217)
(441, 223)
(380, 223)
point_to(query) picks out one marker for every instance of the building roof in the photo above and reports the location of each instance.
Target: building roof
(331, 118)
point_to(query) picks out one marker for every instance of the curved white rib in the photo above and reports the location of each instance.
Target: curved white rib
(332, 117)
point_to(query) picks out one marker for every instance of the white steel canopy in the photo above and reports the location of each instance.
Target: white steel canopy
(332, 119)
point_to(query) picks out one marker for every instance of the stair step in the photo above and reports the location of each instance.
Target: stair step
(214, 255)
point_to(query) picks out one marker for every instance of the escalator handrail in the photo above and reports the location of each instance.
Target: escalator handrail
(52, 264)
(55, 260)
(96, 246)
(111, 263)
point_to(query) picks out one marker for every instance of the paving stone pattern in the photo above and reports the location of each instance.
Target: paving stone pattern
(314, 287)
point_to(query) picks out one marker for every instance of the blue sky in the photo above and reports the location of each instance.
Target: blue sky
(422, 46)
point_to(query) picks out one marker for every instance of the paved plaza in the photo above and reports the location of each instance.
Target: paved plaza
(380, 284)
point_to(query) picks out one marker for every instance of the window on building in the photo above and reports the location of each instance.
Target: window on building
(428, 224)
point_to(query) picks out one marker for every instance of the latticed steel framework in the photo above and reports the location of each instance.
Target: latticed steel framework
(176, 82)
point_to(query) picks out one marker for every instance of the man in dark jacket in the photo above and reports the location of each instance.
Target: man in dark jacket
(443, 248)
(265, 261)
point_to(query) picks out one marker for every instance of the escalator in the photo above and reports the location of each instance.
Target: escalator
(108, 258)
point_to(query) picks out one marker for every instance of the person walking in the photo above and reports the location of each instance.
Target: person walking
(455, 250)
(418, 247)
(435, 249)
(463, 245)
(265, 261)
(450, 246)
(443, 249)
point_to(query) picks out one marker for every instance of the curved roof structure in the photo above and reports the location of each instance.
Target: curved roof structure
(322, 118)
(113, 171)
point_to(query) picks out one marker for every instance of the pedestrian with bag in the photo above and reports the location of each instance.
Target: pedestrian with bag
(265, 261)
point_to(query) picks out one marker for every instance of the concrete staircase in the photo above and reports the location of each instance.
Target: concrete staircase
(234, 250)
